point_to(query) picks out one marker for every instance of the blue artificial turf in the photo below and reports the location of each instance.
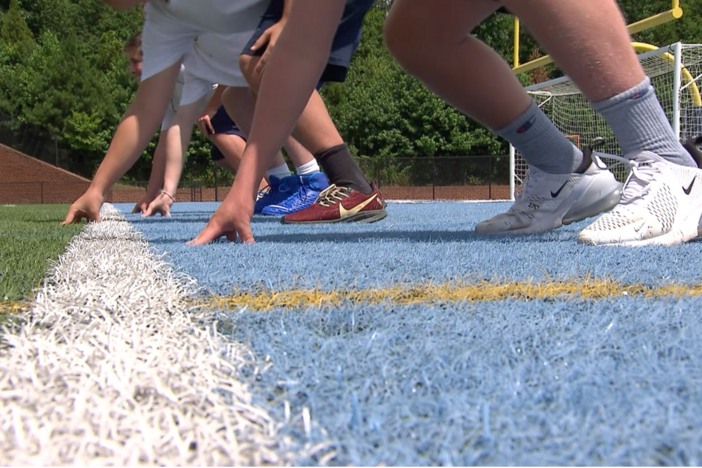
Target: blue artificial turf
(613, 382)
(546, 382)
(415, 243)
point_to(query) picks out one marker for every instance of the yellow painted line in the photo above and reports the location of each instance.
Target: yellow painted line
(12, 307)
(483, 291)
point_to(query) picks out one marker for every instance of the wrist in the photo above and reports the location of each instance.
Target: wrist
(168, 195)
(153, 188)
(95, 193)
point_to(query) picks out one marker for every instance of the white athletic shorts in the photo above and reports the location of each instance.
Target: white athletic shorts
(208, 35)
(174, 103)
(196, 87)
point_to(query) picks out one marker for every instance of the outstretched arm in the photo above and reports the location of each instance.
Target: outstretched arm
(176, 144)
(292, 73)
(158, 169)
(133, 134)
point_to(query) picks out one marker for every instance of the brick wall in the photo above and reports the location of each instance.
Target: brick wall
(24, 179)
(28, 180)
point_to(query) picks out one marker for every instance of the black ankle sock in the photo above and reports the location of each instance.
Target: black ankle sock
(341, 169)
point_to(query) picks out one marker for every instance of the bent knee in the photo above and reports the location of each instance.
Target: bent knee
(248, 63)
(400, 39)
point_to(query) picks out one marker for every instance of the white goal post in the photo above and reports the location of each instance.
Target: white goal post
(675, 73)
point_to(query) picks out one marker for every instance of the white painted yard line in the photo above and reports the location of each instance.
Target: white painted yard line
(110, 367)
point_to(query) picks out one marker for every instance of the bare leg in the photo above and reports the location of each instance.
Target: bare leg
(232, 147)
(317, 132)
(435, 45)
(240, 107)
(226, 165)
(605, 63)
(315, 129)
(185, 120)
(458, 67)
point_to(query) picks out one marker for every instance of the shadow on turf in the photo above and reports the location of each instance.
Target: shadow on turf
(407, 236)
(196, 218)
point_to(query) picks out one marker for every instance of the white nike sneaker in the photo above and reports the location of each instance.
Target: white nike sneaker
(661, 204)
(548, 201)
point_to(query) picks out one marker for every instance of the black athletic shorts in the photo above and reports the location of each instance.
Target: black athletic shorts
(223, 124)
(346, 40)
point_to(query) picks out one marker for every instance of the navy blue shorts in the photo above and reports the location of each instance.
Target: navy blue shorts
(346, 40)
(223, 124)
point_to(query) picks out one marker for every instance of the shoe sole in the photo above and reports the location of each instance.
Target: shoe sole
(572, 214)
(601, 206)
(685, 232)
(366, 217)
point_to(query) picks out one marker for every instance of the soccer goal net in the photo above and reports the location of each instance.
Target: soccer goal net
(675, 73)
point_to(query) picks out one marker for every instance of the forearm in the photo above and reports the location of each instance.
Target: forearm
(178, 139)
(158, 167)
(130, 139)
(136, 129)
(178, 142)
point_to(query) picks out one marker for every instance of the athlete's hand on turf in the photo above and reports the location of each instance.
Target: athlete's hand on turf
(161, 205)
(86, 207)
(270, 37)
(143, 205)
(232, 220)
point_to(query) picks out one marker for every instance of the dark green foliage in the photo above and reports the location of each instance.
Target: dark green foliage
(62, 69)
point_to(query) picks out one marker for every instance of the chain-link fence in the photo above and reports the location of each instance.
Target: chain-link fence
(434, 178)
(441, 177)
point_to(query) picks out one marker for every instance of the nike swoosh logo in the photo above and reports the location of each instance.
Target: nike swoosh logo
(555, 194)
(689, 189)
(640, 227)
(344, 213)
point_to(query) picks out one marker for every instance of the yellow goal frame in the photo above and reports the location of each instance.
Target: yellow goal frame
(674, 13)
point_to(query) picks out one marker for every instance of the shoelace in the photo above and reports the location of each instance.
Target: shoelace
(641, 174)
(525, 194)
(528, 188)
(332, 195)
(263, 192)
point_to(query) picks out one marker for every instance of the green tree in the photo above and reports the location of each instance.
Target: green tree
(16, 36)
(14, 28)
